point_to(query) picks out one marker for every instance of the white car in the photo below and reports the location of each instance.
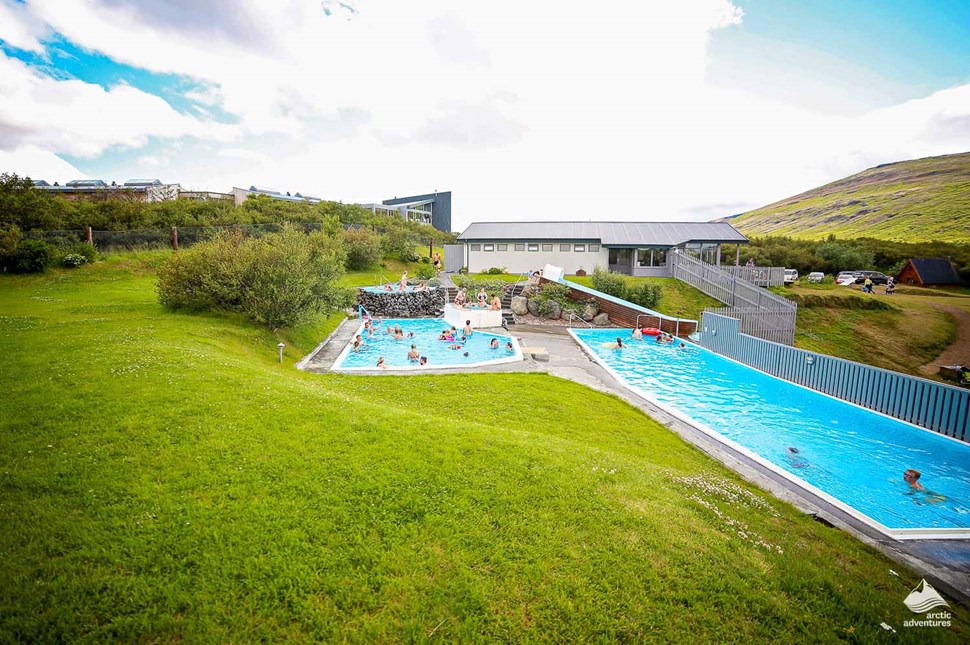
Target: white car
(816, 276)
(790, 276)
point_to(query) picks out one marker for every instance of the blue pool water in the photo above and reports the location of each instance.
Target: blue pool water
(852, 454)
(426, 330)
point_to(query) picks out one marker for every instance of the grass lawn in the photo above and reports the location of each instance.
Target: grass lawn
(163, 478)
(911, 334)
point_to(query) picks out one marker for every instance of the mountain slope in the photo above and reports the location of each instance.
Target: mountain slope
(910, 201)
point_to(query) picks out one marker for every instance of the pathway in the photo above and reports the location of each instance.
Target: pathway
(958, 352)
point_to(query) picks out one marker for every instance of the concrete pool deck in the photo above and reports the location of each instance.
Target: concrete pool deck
(944, 563)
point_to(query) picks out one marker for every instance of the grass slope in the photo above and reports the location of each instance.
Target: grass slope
(910, 201)
(162, 478)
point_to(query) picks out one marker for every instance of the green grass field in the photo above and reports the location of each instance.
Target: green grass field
(163, 478)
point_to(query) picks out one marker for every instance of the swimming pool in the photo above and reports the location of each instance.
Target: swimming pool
(850, 456)
(426, 331)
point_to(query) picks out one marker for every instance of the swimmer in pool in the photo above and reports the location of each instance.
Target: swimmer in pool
(424, 360)
(791, 454)
(493, 344)
(509, 348)
(496, 303)
(617, 345)
(380, 363)
(637, 334)
(467, 331)
(413, 355)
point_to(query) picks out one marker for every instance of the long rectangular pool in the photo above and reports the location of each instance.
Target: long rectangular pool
(851, 456)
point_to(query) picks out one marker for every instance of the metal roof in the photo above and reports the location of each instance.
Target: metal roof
(143, 182)
(936, 271)
(607, 233)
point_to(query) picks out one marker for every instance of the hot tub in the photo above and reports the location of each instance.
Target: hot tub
(479, 317)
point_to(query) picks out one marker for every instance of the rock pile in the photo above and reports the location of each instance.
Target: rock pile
(403, 304)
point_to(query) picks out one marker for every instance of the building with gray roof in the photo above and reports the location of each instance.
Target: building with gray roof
(632, 248)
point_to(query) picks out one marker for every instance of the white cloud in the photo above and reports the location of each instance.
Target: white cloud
(82, 119)
(20, 28)
(36, 163)
(536, 110)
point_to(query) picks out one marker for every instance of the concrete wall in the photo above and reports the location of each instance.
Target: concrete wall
(524, 261)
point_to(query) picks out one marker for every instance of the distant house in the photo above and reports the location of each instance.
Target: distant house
(138, 190)
(632, 248)
(240, 195)
(433, 208)
(927, 272)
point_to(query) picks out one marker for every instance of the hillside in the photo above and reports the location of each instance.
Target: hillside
(910, 201)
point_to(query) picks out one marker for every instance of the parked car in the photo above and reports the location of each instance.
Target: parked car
(790, 276)
(816, 276)
(846, 275)
(875, 276)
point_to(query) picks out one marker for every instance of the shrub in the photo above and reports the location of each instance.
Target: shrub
(474, 284)
(425, 272)
(495, 271)
(72, 260)
(425, 259)
(31, 256)
(645, 294)
(608, 282)
(363, 248)
(279, 280)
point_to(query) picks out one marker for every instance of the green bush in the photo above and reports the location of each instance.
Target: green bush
(425, 259)
(425, 272)
(31, 256)
(608, 282)
(363, 248)
(278, 280)
(495, 271)
(474, 284)
(645, 294)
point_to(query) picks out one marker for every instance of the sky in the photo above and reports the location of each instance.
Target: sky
(542, 110)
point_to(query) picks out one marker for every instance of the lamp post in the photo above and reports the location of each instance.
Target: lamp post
(280, 347)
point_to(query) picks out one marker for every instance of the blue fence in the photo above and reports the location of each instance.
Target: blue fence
(936, 406)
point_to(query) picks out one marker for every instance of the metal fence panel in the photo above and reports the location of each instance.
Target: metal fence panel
(935, 406)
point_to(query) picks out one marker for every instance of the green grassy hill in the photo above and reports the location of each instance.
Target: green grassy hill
(164, 479)
(910, 201)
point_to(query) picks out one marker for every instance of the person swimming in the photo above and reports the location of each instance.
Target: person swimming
(467, 330)
(637, 334)
(615, 345)
(509, 347)
(380, 363)
(493, 344)
(911, 477)
(413, 355)
(793, 460)
(424, 360)
(455, 346)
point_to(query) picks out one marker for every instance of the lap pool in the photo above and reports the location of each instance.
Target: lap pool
(848, 455)
(425, 336)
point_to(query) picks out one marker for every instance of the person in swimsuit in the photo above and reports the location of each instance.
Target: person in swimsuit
(380, 363)
(413, 355)
(467, 330)
(493, 344)
(482, 299)
(496, 303)
(404, 282)
(637, 334)
(460, 299)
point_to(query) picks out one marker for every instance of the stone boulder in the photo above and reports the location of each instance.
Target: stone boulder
(602, 319)
(528, 290)
(520, 305)
(555, 310)
(589, 312)
(533, 306)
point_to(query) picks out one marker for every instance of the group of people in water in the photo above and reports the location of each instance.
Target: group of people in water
(457, 341)
(661, 338)
(485, 301)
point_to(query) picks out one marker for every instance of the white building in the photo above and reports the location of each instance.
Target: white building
(632, 248)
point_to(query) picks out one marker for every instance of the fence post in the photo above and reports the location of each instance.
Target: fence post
(175, 238)
(90, 235)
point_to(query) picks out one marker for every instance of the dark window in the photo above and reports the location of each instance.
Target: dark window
(503, 247)
(520, 247)
(547, 247)
(476, 247)
(564, 248)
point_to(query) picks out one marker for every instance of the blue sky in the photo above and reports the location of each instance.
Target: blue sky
(708, 107)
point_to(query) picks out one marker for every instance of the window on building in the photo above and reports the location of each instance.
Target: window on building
(502, 247)
(594, 248)
(476, 247)
(547, 247)
(488, 247)
(564, 248)
(520, 247)
(651, 257)
(579, 248)
(533, 247)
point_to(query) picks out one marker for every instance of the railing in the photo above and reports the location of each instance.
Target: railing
(523, 277)
(569, 321)
(760, 312)
(361, 312)
(761, 276)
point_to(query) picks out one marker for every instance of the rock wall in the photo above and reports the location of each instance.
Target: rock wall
(408, 304)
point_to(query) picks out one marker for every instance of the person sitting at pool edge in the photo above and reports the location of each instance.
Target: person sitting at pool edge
(496, 303)
(493, 344)
(460, 299)
(468, 328)
(482, 298)
(413, 355)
